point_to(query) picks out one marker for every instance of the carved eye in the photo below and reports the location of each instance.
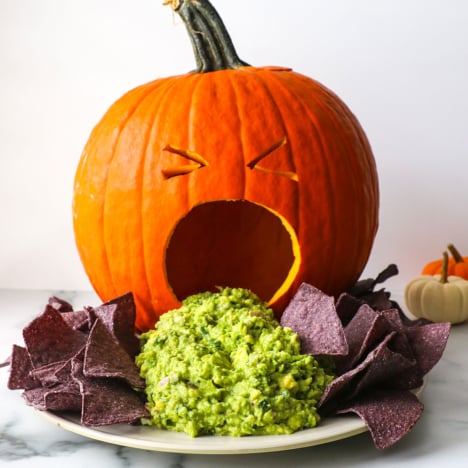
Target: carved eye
(254, 163)
(198, 162)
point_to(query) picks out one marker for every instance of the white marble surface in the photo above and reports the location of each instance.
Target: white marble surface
(26, 439)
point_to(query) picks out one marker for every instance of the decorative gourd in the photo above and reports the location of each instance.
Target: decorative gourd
(439, 298)
(231, 175)
(457, 265)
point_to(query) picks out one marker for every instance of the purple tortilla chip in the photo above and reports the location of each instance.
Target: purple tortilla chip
(63, 374)
(60, 342)
(20, 368)
(365, 286)
(63, 398)
(386, 368)
(35, 397)
(58, 398)
(49, 339)
(378, 300)
(105, 358)
(46, 374)
(428, 343)
(312, 315)
(364, 289)
(78, 320)
(389, 415)
(107, 401)
(118, 316)
(60, 304)
(341, 387)
(362, 333)
(346, 307)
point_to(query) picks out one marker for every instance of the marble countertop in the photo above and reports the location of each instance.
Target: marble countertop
(27, 439)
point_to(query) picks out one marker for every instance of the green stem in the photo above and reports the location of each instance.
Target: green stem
(211, 42)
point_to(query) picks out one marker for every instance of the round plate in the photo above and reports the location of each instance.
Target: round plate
(149, 438)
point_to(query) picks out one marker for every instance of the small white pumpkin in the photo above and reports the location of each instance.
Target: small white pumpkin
(438, 298)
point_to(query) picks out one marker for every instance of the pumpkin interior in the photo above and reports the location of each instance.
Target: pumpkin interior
(233, 243)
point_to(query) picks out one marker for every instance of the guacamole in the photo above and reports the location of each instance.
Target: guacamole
(221, 364)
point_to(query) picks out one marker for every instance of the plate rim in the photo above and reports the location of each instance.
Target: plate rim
(330, 429)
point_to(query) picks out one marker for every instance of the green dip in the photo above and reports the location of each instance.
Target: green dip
(221, 364)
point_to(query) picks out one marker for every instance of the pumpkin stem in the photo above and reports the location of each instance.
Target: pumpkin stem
(444, 272)
(455, 254)
(211, 42)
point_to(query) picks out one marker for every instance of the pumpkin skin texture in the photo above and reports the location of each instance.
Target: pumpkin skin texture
(255, 177)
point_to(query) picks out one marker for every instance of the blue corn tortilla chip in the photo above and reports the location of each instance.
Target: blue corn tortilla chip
(58, 398)
(312, 315)
(366, 286)
(81, 320)
(362, 332)
(346, 307)
(382, 371)
(364, 290)
(61, 342)
(107, 401)
(118, 315)
(46, 374)
(104, 357)
(60, 304)
(342, 386)
(49, 339)
(389, 355)
(388, 414)
(428, 342)
(63, 398)
(20, 368)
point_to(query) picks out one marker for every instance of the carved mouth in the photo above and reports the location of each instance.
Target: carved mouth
(232, 243)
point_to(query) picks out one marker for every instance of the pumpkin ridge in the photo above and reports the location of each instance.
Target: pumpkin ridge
(257, 74)
(331, 111)
(284, 121)
(161, 109)
(370, 165)
(163, 89)
(189, 202)
(235, 84)
(155, 87)
(288, 92)
(109, 285)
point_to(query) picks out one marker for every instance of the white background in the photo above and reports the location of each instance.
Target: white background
(400, 65)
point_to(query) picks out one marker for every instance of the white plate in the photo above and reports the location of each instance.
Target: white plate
(148, 438)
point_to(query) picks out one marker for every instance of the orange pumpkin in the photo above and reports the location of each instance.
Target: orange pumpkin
(457, 265)
(231, 175)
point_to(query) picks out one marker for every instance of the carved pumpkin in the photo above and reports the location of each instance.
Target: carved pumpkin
(230, 175)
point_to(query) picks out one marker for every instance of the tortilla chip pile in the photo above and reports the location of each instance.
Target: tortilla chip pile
(81, 361)
(84, 360)
(380, 356)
